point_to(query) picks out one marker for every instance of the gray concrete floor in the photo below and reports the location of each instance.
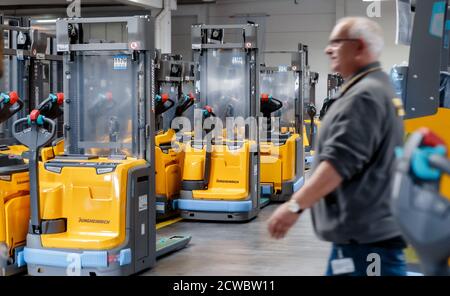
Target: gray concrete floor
(244, 249)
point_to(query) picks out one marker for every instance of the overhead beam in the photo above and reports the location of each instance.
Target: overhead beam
(147, 4)
(52, 6)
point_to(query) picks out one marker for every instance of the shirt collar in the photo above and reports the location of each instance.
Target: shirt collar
(364, 69)
(361, 70)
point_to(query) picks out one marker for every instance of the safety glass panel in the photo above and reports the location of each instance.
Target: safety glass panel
(6, 137)
(283, 86)
(227, 85)
(107, 100)
(4, 81)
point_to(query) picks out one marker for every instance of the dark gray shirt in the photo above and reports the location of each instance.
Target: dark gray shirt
(358, 136)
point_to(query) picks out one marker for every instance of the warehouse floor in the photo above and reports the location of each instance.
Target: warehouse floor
(244, 249)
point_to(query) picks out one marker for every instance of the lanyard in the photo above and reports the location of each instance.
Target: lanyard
(355, 79)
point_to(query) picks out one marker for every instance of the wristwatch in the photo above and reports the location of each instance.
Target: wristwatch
(294, 207)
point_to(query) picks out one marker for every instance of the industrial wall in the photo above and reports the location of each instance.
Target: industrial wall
(288, 22)
(285, 23)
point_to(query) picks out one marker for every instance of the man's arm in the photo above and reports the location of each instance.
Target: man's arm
(324, 180)
(355, 135)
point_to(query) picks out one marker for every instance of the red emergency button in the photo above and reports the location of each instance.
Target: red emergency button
(13, 97)
(191, 96)
(430, 138)
(264, 97)
(109, 96)
(208, 108)
(60, 98)
(34, 115)
(164, 97)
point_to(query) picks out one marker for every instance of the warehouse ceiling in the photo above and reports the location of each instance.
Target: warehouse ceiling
(48, 9)
(9, 4)
(27, 4)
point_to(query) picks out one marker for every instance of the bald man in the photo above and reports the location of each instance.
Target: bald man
(350, 186)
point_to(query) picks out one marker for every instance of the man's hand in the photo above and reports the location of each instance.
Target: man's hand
(324, 180)
(281, 221)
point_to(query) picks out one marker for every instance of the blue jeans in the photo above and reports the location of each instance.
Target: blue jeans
(392, 260)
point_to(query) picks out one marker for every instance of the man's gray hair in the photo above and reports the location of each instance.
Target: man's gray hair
(367, 30)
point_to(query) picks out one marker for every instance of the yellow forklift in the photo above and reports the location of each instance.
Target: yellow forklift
(422, 185)
(283, 90)
(221, 167)
(14, 199)
(422, 84)
(93, 207)
(14, 188)
(175, 98)
(22, 47)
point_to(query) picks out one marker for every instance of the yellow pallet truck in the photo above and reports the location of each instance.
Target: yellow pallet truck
(95, 214)
(23, 69)
(283, 91)
(221, 169)
(14, 199)
(175, 98)
(14, 185)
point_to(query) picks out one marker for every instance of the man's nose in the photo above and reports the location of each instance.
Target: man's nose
(328, 50)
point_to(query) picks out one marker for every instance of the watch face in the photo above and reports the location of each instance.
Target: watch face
(294, 207)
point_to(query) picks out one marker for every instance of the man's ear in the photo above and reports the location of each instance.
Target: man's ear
(360, 50)
(362, 46)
